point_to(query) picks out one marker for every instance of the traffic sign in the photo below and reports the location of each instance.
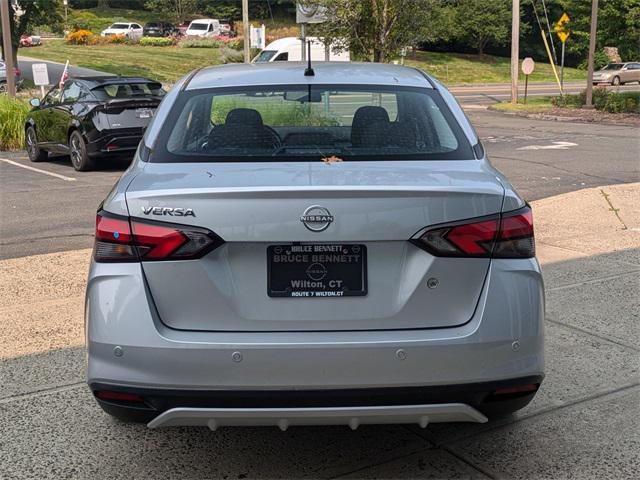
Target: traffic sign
(562, 27)
(528, 65)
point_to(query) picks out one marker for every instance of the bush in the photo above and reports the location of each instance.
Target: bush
(201, 43)
(600, 59)
(604, 100)
(157, 41)
(80, 37)
(13, 113)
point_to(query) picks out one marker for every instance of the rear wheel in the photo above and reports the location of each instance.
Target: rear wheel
(36, 154)
(78, 152)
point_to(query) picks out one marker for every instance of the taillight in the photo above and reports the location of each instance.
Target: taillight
(123, 239)
(17, 71)
(509, 235)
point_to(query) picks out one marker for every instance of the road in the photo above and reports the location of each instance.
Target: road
(493, 93)
(55, 69)
(42, 213)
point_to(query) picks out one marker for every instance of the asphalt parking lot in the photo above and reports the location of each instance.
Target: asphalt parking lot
(582, 181)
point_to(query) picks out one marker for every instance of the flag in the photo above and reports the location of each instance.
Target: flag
(65, 75)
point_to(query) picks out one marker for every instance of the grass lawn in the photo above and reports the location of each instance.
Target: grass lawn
(533, 105)
(166, 64)
(457, 68)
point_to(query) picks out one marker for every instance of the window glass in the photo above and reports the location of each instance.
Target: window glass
(71, 92)
(126, 90)
(308, 123)
(52, 97)
(120, 26)
(283, 57)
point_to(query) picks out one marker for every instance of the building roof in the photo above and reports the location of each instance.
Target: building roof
(292, 73)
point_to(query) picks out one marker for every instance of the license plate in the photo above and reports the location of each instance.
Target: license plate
(144, 113)
(314, 270)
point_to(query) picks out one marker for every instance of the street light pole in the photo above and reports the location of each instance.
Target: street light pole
(592, 52)
(247, 32)
(7, 48)
(515, 49)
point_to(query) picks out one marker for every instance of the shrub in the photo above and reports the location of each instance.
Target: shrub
(157, 41)
(108, 40)
(80, 37)
(622, 102)
(604, 100)
(13, 113)
(201, 43)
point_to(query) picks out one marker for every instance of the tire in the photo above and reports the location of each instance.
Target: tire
(3, 87)
(36, 154)
(78, 152)
(615, 81)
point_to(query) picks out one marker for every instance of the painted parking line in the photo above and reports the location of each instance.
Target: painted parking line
(33, 169)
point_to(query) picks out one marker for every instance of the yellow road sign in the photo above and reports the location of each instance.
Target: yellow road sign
(562, 27)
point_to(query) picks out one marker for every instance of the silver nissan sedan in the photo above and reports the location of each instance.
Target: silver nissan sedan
(296, 246)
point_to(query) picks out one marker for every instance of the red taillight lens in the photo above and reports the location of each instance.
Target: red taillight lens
(507, 236)
(18, 72)
(119, 396)
(121, 239)
(516, 238)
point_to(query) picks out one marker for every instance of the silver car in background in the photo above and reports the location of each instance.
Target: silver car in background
(319, 247)
(618, 73)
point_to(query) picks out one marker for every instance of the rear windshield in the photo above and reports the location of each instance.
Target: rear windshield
(128, 90)
(152, 25)
(120, 26)
(303, 123)
(198, 26)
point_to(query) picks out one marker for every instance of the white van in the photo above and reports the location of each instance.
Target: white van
(289, 49)
(204, 27)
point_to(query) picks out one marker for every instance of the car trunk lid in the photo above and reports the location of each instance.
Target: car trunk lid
(375, 207)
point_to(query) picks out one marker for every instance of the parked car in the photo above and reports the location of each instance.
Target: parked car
(205, 27)
(130, 30)
(618, 73)
(30, 40)
(3, 77)
(182, 27)
(159, 29)
(91, 118)
(290, 49)
(226, 28)
(330, 248)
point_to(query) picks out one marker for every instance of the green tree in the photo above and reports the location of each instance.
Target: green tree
(618, 26)
(377, 29)
(34, 13)
(176, 9)
(480, 22)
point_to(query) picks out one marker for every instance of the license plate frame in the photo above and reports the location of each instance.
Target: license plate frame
(319, 270)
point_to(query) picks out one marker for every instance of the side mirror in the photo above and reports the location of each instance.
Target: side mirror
(35, 102)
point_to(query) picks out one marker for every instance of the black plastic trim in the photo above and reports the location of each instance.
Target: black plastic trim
(477, 395)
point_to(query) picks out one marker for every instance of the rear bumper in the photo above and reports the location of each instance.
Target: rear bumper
(115, 143)
(502, 343)
(283, 408)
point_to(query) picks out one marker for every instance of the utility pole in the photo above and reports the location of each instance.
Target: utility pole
(247, 32)
(515, 49)
(592, 52)
(7, 48)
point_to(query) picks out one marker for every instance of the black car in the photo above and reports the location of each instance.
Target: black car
(159, 29)
(91, 117)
